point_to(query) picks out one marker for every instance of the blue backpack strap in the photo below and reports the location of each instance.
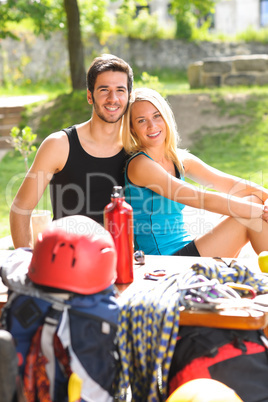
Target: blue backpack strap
(92, 348)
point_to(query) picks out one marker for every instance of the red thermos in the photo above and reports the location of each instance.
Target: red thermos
(118, 220)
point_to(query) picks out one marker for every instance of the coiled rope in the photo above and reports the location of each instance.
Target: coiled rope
(233, 272)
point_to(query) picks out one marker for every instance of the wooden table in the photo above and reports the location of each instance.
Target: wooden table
(231, 318)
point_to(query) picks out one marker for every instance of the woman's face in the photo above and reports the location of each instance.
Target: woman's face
(148, 124)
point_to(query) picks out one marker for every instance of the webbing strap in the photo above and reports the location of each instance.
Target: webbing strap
(47, 344)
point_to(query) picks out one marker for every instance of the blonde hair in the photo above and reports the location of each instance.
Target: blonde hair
(131, 141)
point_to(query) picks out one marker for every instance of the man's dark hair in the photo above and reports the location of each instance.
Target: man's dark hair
(108, 62)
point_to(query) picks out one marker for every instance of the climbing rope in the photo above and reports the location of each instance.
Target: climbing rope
(149, 325)
(148, 329)
(232, 272)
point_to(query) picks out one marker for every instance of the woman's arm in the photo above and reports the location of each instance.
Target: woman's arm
(200, 172)
(144, 172)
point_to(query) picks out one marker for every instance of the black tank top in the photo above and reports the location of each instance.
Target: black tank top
(84, 185)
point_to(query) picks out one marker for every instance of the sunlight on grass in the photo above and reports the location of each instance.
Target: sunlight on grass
(243, 149)
(51, 91)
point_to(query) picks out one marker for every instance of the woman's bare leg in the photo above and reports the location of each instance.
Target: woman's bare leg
(231, 234)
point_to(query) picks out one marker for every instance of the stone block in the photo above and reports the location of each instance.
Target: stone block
(239, 79)
(262, 79)
(217, 66)
(211, 80)
(193, 73)
(250, 63)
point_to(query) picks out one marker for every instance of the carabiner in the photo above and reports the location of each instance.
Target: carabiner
(246, 289)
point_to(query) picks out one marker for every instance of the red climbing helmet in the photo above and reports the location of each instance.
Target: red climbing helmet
(74, 254)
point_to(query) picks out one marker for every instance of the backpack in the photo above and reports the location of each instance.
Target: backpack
(237, 358)
(59, 333)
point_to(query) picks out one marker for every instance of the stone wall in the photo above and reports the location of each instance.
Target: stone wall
(235, 70)
(36, 59)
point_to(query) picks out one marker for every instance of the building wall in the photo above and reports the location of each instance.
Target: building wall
(233, 16)
(161, 8)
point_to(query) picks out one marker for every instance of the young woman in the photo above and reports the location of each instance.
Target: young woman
(156, 189)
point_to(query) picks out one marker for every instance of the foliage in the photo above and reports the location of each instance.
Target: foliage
(185, 23)
(47, 15)
(253, 35)
(5, 17)
(22, 141)
(94, 17)
(202, 33)
(187, 13)
(202, 7)
(144, 26)
(152, 82)
(126, 13)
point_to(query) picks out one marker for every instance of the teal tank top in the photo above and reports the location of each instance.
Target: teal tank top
(159, 227)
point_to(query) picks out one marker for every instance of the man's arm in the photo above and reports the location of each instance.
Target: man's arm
(50, 158)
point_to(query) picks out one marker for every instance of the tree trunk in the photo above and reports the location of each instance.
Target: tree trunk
(75, 45)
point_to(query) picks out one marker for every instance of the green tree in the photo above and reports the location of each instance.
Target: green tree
(187, 13)
(124, 15)
(46, 15)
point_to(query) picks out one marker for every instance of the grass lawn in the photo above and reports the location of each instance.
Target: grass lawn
(241, 150)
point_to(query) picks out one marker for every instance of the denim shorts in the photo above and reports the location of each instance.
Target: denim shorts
(189, 250)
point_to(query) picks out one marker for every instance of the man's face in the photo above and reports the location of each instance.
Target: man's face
(110, 96)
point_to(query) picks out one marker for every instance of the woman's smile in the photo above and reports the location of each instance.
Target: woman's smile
(154, 135)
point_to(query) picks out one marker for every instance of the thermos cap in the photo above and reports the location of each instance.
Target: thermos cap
(117, 192)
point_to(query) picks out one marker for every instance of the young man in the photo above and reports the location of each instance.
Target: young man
(81, 163)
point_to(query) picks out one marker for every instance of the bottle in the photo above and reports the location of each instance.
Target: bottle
(118, 220)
